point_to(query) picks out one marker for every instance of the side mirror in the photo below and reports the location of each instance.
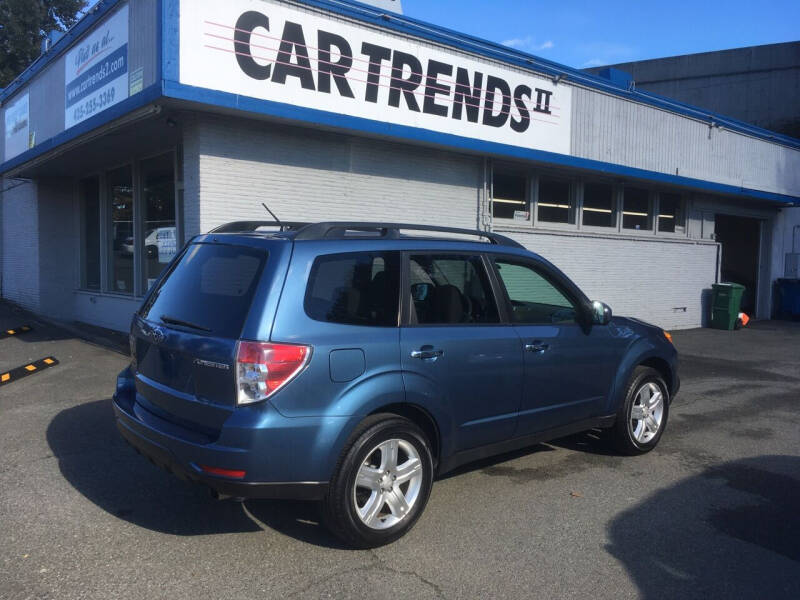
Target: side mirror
(601, 313)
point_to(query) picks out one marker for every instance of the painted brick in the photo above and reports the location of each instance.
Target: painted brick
(20, 240)
(309, 175)
(650, 280)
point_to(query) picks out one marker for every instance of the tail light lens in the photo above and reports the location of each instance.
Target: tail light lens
(262, 368)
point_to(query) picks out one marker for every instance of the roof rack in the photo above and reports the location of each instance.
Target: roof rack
(253, 226)
(334, 230)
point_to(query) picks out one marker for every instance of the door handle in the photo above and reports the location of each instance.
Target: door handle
(427, 354)
(537, 347)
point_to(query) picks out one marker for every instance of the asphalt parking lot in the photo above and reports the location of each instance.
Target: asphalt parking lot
(712, 513)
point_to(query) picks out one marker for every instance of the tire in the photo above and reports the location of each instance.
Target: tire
(349, 510)
(627, 435)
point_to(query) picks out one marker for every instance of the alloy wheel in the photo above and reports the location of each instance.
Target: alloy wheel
(388, 484)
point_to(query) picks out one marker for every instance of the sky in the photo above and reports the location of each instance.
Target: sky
(584, 34)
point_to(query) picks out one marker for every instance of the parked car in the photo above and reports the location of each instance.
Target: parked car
(353, 363)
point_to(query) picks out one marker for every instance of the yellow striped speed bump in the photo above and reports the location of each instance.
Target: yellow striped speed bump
(6, 333)
(25, 370)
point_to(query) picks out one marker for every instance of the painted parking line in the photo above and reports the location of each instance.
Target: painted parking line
(25, 370)
(6, 333)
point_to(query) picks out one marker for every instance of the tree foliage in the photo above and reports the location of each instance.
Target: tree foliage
(23, 26)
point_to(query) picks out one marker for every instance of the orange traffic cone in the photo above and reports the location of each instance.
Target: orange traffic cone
(744, 319)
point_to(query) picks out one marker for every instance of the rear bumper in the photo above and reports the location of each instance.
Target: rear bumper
(164, 458)
(281, 457)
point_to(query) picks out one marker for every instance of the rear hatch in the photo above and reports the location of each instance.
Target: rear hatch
(186, 333)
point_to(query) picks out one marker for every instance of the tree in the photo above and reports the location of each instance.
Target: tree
(23, 26)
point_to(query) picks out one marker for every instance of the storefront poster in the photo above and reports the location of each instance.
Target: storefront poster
(97, 70)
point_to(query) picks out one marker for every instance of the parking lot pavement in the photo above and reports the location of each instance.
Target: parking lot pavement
(711, 513)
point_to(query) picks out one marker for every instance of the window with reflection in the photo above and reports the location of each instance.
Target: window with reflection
(160, 231)
(636, 213)
(121, 214)
(598, 205)
(554, 201)
(670, 213)
(510, 197)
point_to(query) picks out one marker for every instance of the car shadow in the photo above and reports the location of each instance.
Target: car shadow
(729, 532)
(97, 462)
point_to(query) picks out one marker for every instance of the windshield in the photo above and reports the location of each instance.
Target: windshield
(209, 290)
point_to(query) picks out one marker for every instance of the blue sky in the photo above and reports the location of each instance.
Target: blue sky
(584, 34)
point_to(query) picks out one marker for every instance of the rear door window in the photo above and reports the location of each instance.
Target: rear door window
(209, 290)
(449, 289)
(358, 288)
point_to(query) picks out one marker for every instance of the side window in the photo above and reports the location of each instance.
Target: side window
(534, 300)
(448, 289)
(360, 288)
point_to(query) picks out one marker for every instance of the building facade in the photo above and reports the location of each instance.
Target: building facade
(154, 120)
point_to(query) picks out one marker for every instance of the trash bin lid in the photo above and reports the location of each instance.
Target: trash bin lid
(729, 285)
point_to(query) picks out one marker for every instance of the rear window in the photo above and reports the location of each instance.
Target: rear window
(210, 289)
(359, 288)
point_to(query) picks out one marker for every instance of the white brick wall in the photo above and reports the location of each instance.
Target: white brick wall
(309, 175)
(650, 280)
(58, 247)
(20, 240)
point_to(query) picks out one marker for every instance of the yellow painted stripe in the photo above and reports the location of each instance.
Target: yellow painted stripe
(49, 361)
(4, 377)
(30, 368)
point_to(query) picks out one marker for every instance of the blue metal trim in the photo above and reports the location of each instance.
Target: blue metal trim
(100, 10)
(143, 98)
(475, 45)
(328, 119)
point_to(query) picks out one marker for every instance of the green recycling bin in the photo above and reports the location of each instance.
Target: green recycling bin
(726, 305)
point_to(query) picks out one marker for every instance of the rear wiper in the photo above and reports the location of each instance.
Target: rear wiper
(189, 324)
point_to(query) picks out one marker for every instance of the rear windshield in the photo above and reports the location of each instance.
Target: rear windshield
(209, 290)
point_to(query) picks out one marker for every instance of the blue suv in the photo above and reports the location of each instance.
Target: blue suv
(352, 363)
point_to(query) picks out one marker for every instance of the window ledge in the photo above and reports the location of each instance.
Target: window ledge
(668, 239)
(99, 294)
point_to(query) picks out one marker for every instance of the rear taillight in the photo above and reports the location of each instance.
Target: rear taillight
(263, 368)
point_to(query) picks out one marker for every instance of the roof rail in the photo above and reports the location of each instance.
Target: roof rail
(333, 230)
(252, 226)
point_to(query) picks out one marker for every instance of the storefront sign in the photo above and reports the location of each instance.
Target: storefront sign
(97, 70)
(17, 123)
(271, 51)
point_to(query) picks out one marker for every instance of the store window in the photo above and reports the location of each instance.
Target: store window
(121, 240)
(510, 197)
(160, 232)
(598, 205)
(670, 213)
(554, 201)
(636, 211)
(90, 233)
